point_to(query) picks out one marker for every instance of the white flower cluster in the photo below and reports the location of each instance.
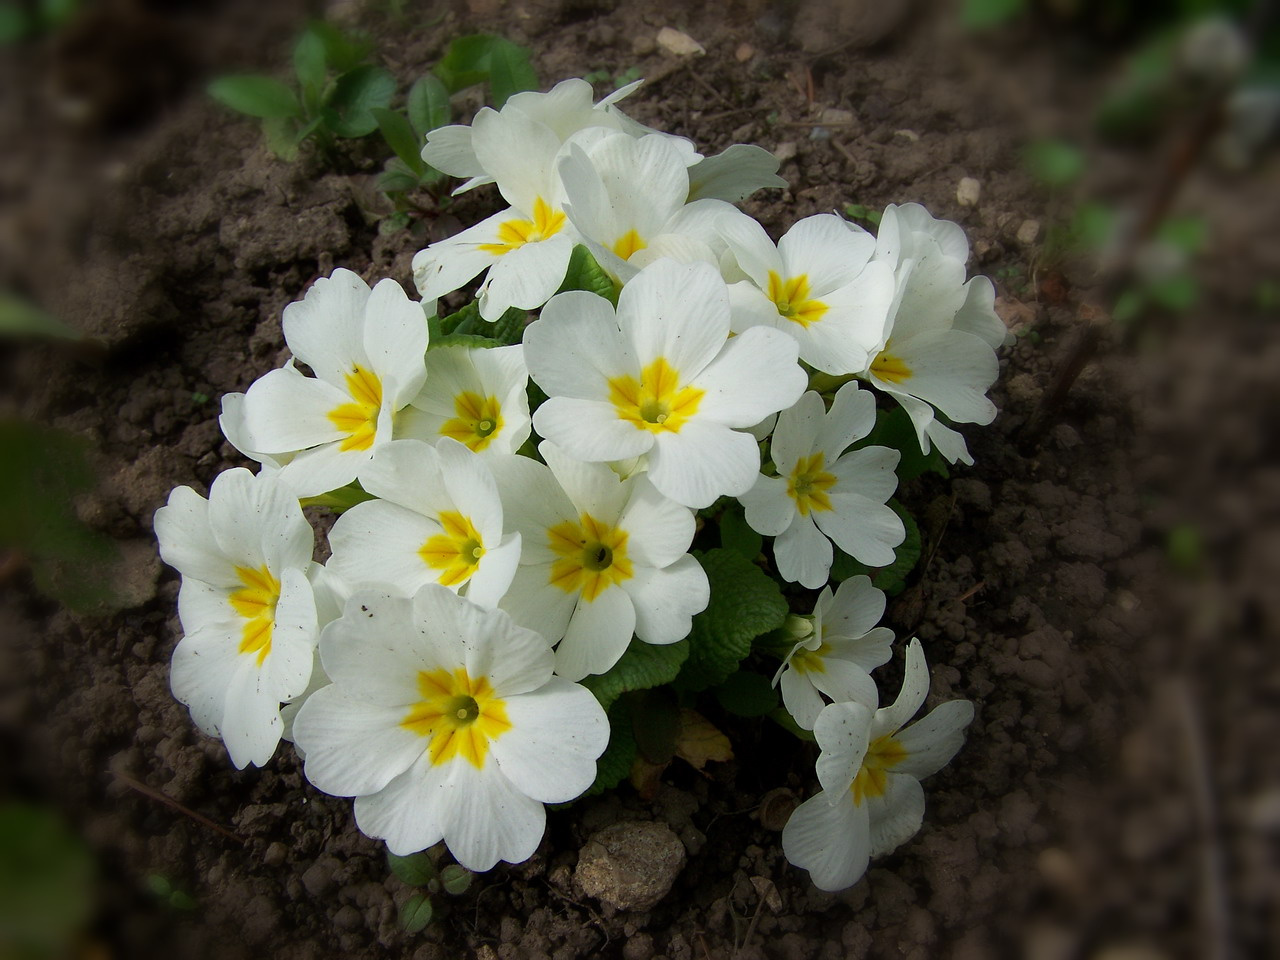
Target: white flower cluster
(430, 667)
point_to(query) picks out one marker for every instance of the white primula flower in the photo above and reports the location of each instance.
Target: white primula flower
(366, 348)
(821, 493)
(870, 770)
(836, 658)
(231, 422)
(246, 605)
(567, 110)
(627, 198)
(477, 396)
(439, 520)
(939, 343)
(818, 284)
(603, 558)
(444, 722)
(661, 377)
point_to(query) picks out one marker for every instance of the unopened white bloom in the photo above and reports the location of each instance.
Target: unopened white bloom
(818, 284)
(366, 348)
(870, 770)
(444, 722)
(661, 378)
(822, 492)
(439, 520)
(627, 198)
(939, 344)
(477, 396)
(246, 605)
(837, 657)
(603, 558)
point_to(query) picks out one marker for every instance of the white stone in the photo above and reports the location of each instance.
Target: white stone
(968, 191)
(678, 43)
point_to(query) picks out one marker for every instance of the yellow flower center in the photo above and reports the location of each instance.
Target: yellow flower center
(459, 715)
(593, 556)
(478, 420)
(809, 483)
(515, 233)
(256, 602)
(890, 368)
(629, 244)
(455, 551)
(811, 661)
(791, 297)
(657, 402)
(883, 754)
(359, 420)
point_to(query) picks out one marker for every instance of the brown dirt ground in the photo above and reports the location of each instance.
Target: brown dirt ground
(1116, 796)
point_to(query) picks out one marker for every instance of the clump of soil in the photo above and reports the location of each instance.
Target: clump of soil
(1108, 803)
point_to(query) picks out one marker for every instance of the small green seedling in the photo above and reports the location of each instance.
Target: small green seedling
(863, 213)
(24, 21)
(335, 96)
(417, 870)
(164, 890)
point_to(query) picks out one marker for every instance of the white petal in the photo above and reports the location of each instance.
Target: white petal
(753, 376)
(293, 636)
(852, 415)
(592, 487)
(378, 540)
(755, 252)
(204, 608)
(597, 635)
(494, 572)
(557, 733)
(659, 530)
(856, 607)
(803, 555)
(528, 276)
(321, 469)
(446, 265)
(826, 250)
(796, 434)
(374, 652)
(896, 815)
(844, 681)
(395, 341)
(324, 328)
(532, 503)
(186, 540)
(735, 173)
(285, 411)
(866, 530)
(353, 748)
(519, 153)
(666, 600)
(915, 687)
(406, 812)
(678, 311)
(487, 819)
(515, 659)
(952, 371)
(933, 740)
(978, 314)
(575, 347)
(533, 602)
(449, 150)
(251, 723)
(769, 509)
(829, 837)
(590, 430)
(204, 664)
(703, 461)
(843, 731)
(801, 698)
(257, 520)
(929, 296)
(868, 472)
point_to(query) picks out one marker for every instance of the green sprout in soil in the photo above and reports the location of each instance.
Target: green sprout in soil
(423, 906)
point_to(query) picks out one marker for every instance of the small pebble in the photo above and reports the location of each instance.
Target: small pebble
(1029, 232)
(968, 191)
(678, 43)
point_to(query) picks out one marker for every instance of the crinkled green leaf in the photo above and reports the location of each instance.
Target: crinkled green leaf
(355, 96)
(747, 694)
(584, 273)
(507, 329)
(480, 57)
(416, 913)
(644, 665)
(893, 577)
(416, 869)
(745, 603)
(428, 105)
(256, 96)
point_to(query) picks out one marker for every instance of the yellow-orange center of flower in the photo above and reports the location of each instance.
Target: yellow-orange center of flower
(791, 297)
(592, 556)
(656, 402)
(515, 233)
(455, 551)
(359, 419)
(809, 483)
(460, 715)
(478, 420)
(882, 755)
(256, 602)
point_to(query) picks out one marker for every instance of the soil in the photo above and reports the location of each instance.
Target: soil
(1115, 798)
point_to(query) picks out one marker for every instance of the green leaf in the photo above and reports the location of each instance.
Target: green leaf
(747, 694)
(428, 104)
(892, 578)
(341, 52)
(737, 535)
(1187, 234)
(510, 71)
(1092, 225)
(400, 136)
(1178, 292)
(416, 913)
(466, 63)
(507, 329)
(20, 317)
(584, 273)
(308, 64)
(1128, 306)
(1054, 163)
(456, 879)
(745, 603)
(355, 96)
(283, 137)
(471, 340)
(642, 666)
(981, 14)
(15, 23)
(344, 498)
(859, 211)
(894, 429)
(416, 869)
(615, 763)
(396, 178)
(46, 883)
(256, 96)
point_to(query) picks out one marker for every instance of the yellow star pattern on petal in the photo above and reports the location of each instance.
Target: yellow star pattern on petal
(359, 419)
(656, 402)
(791, 297)
(882, 755)
(593, 556)
(456, 551)
(809, 483)
(256, 602)
(515, 233)
(478, 420)
(460, 715)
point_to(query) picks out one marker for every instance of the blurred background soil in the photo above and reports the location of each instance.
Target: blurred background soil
(1101, 583)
